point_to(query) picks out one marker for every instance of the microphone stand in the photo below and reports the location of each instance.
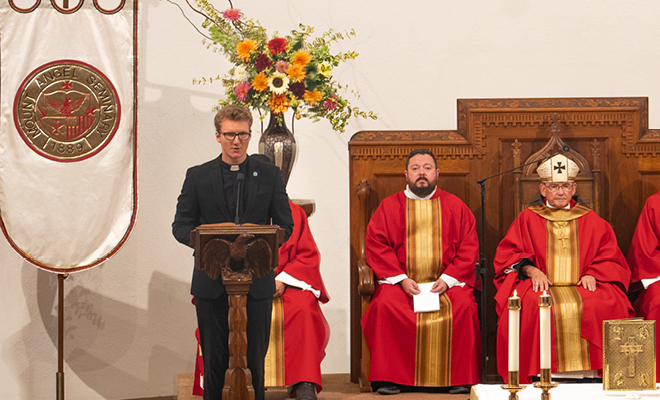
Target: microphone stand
(239, 180)
(480, 266)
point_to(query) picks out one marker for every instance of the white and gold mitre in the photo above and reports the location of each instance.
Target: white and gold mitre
(558, 169)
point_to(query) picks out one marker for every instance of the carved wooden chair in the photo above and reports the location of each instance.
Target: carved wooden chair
(366, 279)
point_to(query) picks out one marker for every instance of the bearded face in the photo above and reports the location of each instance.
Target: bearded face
(421, 175)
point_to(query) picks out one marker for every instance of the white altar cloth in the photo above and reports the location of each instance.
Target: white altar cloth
(565, 391)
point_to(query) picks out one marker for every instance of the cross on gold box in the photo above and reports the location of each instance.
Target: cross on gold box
(629, 354)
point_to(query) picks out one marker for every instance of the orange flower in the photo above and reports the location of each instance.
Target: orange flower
(244, 48)
(301, 57)
(278, 103)
(296, 72)
(260, 82)
(312, 97)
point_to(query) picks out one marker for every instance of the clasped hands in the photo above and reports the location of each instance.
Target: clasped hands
(541, 282)
(410, 287)
(279, 288)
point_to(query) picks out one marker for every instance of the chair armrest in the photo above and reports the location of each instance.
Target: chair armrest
(366, 284)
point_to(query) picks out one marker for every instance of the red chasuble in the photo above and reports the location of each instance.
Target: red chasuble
(299, 332)
(439, 348)
(644, 260)
(565, 245)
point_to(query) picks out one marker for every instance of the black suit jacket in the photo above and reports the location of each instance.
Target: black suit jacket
(202, 201)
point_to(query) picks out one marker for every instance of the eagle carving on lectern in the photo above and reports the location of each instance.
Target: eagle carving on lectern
(240, 259)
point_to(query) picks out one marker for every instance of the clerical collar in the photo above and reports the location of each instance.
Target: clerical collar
(409, 194)
(233, 168)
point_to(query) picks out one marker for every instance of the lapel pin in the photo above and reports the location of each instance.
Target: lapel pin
(255, 173)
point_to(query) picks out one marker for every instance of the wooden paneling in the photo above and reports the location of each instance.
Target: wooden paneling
(627, 157)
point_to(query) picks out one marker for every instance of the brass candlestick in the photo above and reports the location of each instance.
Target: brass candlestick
(513, 387)
(546, 383)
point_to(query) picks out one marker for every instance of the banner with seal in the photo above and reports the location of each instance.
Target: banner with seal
(68, 101)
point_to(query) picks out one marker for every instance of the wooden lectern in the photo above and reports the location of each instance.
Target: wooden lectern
(236, 253)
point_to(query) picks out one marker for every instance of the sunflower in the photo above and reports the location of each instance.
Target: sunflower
(244, 48)
(278, 83)
(278, 103)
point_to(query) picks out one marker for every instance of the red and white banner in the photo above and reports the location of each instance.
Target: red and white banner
(68, 157)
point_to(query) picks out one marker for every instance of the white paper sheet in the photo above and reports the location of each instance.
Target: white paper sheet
(426, 301)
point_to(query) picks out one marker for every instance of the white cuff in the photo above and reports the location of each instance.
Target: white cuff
(649, 281)
(451, 281)
(291, 281)
(393, 280)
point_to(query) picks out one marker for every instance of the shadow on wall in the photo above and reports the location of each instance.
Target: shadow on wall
(98, 333)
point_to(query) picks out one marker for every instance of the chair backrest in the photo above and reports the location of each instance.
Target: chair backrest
(526, 181)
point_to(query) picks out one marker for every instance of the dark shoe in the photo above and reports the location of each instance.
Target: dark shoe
(389, 389)
(305, 391)
(464, 389)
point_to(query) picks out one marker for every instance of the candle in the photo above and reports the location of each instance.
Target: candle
(544, 325)
(514, 333)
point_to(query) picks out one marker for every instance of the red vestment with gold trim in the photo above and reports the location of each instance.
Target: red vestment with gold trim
(599, 256)
(390, 324)
(644, 261)
(306, 331)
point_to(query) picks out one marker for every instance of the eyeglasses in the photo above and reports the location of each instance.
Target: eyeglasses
(242, 136)
(565, 187)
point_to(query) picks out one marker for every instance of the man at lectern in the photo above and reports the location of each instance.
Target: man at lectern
(232, 188)
(422, 242)
(299, 331)
(560, 246)
(644, 260)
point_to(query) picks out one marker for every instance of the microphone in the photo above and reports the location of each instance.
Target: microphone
(239, 180)
(564, 149)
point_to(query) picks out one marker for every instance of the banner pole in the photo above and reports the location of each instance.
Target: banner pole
(60, 336)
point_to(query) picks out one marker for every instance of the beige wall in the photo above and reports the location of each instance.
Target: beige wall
(129, 323)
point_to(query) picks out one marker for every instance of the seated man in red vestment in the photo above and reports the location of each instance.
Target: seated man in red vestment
(418, 239)
(299, 331)
(560, 246)
(296, 312)
(644, 260)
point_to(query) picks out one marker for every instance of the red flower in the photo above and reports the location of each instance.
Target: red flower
(298, 89)
(277, 45)
(242, 90)
(231, 14)
(330, 104)
(263, 62)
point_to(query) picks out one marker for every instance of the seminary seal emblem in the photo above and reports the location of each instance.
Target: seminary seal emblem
(66, 110)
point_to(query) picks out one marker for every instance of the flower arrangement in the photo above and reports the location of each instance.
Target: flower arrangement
(281, 72)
